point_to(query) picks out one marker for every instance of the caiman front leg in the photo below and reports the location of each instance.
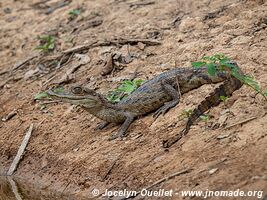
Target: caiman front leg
(122, 131)
(170, 90)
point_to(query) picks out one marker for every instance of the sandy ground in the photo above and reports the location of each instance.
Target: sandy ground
(65, 152)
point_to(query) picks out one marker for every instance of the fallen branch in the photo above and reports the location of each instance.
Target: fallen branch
(240, 122)
(79, 48)
(20, 152)
(114, 42)
(65, 55)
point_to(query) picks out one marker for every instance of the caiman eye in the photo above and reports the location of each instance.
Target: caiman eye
(77, 90)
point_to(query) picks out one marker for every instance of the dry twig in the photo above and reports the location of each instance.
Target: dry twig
(240, 122)
(109, 170)
(20, 152)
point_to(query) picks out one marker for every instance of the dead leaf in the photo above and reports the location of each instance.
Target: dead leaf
(108, 67)
(83, 58)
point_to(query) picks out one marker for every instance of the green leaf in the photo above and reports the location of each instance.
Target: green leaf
(40, 48)
(75, 12)
(204, 118)
(229, 65)
(198, 64)
(211, 69)
(40, 95)
(223, 64)
(125, 89)
(223, 98)
(51, 46)
(224, 60)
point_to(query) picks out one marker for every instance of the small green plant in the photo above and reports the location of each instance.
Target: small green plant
(75, 12)
(185, 113)
(221, 62)
(47, 43)
(224, 99)
(126, 88)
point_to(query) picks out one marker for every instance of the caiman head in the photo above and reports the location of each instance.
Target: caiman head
(79, 95)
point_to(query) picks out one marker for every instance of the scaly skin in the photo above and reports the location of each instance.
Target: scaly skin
(160, 93)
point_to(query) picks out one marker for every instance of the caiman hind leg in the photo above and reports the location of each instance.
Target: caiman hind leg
(170, 90)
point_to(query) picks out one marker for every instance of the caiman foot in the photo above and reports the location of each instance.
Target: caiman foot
(115, 136)
(102, 125)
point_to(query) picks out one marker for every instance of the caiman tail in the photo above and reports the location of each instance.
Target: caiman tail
(213, 99)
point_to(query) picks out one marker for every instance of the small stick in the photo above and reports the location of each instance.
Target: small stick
(4, 72)
(178, 18)
(20, 151)
(109, 170)
(169, 177)
(40, 123)
(139, 4)
(14, 188)
(65, 187)
(20, 64)
(240, 122)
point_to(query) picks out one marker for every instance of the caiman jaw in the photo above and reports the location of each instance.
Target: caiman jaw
(85, 100)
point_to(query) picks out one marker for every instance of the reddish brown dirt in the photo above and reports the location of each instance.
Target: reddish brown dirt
(66, 152)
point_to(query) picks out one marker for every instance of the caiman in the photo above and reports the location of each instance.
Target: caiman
(158, 94)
